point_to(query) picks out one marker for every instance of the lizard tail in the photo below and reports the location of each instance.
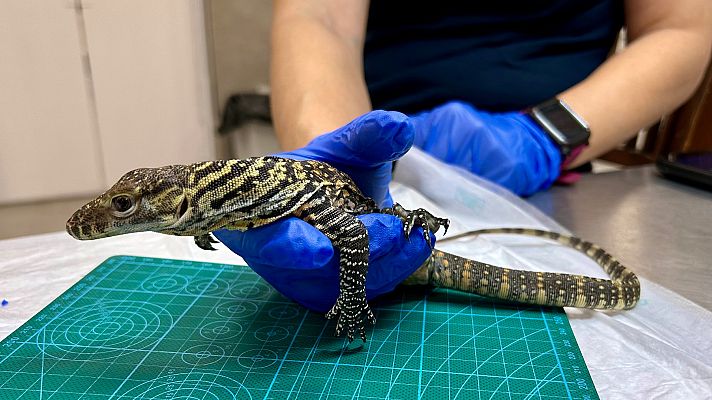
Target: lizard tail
(620, 292)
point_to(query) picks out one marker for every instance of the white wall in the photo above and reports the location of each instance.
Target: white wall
(48, 143)
(239, 38)
(87, 93)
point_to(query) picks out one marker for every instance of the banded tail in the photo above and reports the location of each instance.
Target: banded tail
(620, 292)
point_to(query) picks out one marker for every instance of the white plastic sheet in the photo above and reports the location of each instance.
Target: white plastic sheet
(662, 349)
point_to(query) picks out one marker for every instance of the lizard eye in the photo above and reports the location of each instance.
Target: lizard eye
(122, 205)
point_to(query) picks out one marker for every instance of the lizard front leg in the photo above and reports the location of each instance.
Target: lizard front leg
(205, 241)
(350, 237)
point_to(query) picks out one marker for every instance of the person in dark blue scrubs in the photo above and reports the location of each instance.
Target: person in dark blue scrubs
(335, 60)
(515, 91)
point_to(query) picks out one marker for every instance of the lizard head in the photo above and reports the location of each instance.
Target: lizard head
(145, 199)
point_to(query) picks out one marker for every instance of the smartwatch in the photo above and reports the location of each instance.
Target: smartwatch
(566, 128)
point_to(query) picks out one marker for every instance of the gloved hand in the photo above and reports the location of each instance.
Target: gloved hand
(298, 260)
(509, 149)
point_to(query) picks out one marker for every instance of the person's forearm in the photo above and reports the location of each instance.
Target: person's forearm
(316, 69)
(653, 75)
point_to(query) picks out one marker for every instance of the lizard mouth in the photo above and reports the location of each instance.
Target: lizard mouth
(84, 226)
(81, 232)
(74, 228)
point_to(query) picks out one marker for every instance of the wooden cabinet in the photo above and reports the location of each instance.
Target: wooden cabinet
(90, 89)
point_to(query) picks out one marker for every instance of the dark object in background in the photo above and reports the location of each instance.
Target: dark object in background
(244, 107)
(694, 169)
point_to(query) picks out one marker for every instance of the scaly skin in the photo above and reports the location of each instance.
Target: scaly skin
(621, 292)
(197, 199)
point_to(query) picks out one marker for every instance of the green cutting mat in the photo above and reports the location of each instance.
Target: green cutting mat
(168, 329)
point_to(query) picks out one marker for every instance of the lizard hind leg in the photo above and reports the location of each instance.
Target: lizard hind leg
(418, 217)
(350, 237)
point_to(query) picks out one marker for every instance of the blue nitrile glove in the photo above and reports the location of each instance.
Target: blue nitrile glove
(298, 260)
(509, 148)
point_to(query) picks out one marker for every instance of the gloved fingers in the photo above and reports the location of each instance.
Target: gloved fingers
(307, 270)
(315, 289)
(273, 254)
(544, 157)
(388, 271)
(290, 243)
(506, 148)
(384, 233)
(512, 151)
(293, 243)
(364, 149)
(387, 200)
(372, 139)
(392, 257)
(373, 182)
(448, 130)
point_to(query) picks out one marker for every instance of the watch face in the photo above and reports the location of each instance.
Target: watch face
(563, 125)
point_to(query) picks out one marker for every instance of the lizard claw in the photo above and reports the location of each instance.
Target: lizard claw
(419, 217)
(205, 241)
(351, 318)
